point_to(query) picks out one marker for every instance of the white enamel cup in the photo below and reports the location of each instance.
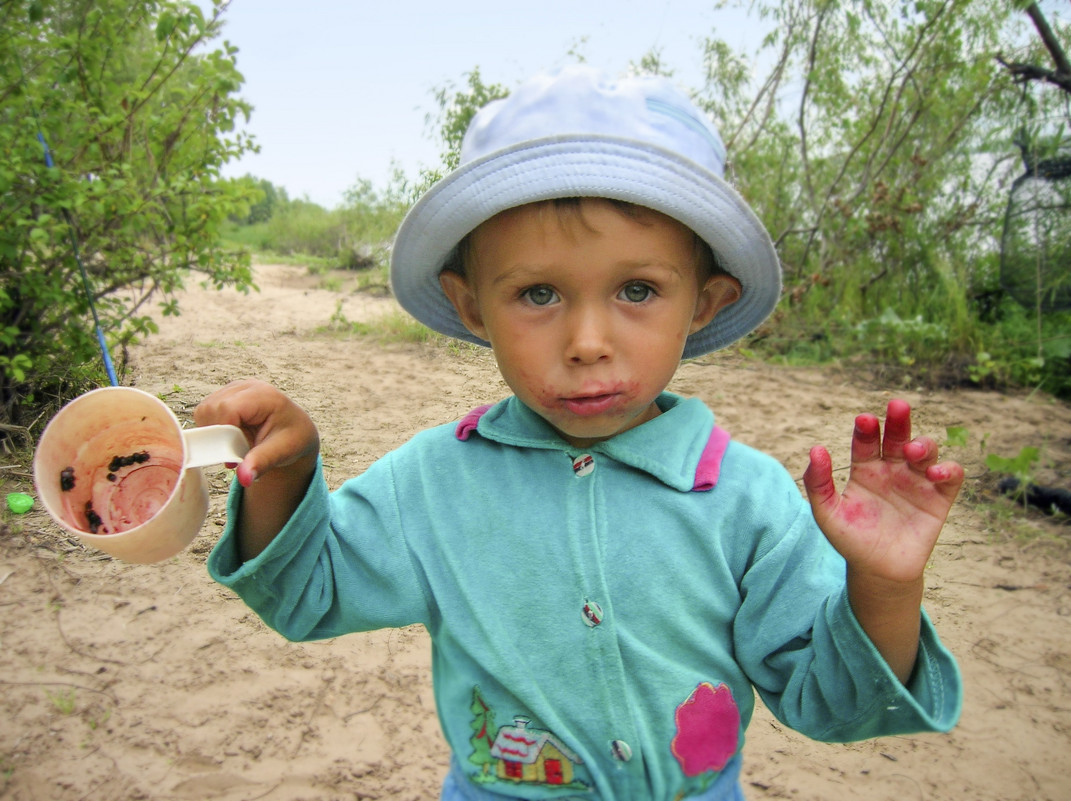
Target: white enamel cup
(115, 468)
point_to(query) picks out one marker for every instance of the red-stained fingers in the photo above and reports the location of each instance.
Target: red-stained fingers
(897, 429)
(866, 438)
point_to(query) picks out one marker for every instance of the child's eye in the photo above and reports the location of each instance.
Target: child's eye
(540, 295)
(636, 292)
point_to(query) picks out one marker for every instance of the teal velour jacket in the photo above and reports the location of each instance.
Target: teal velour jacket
(601, 620)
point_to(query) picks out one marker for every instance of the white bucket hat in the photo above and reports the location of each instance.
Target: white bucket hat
(577, 133)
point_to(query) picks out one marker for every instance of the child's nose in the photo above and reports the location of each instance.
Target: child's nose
(589, 337)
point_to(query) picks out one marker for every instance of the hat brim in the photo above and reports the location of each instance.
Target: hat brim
(586, 166)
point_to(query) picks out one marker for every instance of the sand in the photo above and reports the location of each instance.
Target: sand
(122, 682)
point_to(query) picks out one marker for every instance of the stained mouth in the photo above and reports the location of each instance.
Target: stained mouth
(591, 404)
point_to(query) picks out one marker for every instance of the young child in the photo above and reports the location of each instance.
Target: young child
(605, 576)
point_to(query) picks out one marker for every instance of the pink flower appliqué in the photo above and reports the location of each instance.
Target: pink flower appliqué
(708, 729)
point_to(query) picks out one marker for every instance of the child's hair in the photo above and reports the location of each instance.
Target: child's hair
(579, 134)
(570, 210)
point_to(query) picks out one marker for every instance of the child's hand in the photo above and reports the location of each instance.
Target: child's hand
(282, 459)
(885, 525)
(886, 522)
(280, 433)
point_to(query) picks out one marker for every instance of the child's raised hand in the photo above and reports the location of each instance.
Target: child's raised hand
(887, 520)
(280, 433)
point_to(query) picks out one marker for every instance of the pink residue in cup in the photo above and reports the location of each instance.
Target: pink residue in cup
(125, 491)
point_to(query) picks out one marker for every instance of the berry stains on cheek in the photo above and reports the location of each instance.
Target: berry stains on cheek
(539, 392)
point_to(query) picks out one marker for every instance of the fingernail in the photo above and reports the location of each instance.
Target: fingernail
(246, 477)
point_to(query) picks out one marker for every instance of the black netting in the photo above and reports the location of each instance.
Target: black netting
(1035, 250)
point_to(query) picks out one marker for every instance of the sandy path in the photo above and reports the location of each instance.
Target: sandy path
(150, 682)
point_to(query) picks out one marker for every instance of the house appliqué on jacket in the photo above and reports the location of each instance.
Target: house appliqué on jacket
(518, 753)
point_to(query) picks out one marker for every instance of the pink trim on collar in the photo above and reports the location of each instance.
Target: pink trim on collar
(709, 467)
(469, 422)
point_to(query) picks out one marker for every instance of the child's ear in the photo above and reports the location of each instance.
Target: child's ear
(462, 295)
(718, 292)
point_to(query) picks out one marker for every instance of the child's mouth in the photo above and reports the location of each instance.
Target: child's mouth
(590, 405)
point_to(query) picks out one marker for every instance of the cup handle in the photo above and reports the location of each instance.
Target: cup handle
(214, 445)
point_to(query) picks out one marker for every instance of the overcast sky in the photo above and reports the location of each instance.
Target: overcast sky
(340, 89)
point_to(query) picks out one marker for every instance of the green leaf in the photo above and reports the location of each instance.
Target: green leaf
(1021, 466)
(956, 436)
(164, 26)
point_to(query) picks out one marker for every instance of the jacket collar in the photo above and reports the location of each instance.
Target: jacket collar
(674, 447)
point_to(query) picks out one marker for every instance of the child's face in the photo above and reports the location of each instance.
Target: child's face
(587, 314)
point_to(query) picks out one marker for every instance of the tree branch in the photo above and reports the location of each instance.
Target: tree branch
(1059, 58)
(1021, 73)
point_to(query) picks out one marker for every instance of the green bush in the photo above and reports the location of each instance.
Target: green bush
(139, 116)
(354, 236)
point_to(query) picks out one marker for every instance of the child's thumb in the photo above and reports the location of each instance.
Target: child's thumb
(818, 479)
(283, 451)
(246, 472)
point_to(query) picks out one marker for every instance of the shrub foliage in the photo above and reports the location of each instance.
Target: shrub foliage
(139, 113)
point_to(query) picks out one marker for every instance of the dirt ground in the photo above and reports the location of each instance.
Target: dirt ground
(122, 682)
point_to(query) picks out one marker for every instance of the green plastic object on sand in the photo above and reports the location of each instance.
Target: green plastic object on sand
(19, 502)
